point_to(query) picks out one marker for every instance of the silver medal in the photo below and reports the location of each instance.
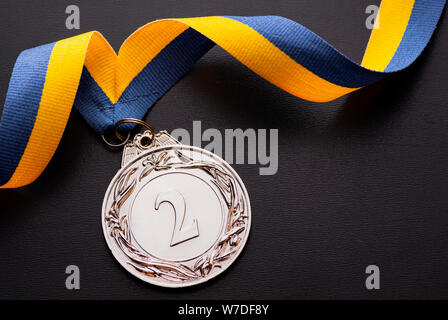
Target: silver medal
(175, 215)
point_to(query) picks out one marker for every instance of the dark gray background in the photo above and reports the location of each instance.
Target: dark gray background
(362, 180)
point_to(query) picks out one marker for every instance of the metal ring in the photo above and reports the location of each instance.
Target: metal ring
(116, 145)
(136, 121)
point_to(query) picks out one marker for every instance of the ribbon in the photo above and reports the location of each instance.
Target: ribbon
(84, 71)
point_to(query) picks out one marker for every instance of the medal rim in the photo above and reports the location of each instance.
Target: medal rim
(167, 283)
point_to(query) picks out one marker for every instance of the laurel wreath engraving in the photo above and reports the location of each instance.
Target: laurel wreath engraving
(226, 247)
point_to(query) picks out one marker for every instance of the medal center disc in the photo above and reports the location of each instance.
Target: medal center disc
(176, 217)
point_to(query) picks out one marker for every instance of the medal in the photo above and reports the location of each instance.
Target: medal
(174, 215)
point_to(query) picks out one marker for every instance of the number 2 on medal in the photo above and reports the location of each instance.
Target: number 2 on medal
(177, 201)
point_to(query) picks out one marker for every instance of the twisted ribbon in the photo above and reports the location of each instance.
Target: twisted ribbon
(84, 71)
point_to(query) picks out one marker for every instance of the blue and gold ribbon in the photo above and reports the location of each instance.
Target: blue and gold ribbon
(84, 71)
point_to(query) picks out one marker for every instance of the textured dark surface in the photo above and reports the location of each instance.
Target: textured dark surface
(361, 180)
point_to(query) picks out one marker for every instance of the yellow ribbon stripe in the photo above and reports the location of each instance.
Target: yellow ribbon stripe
(268, 61)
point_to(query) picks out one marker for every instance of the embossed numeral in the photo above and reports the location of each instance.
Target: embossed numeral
(177, 201)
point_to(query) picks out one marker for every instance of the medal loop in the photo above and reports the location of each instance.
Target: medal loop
(116, 145)
(134, 121)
